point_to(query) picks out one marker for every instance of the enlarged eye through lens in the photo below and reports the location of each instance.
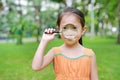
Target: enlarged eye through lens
(69, 26)
(74, 27)
(64, 27)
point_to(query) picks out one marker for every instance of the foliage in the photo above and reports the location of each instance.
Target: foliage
(109, 8)
(13, 19)
(48, 18)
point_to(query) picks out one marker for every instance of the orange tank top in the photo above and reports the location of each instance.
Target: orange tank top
(72, 68)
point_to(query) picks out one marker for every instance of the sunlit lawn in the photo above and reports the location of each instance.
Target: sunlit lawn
(15, 60)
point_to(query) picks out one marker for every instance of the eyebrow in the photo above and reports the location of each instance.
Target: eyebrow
(69, 24)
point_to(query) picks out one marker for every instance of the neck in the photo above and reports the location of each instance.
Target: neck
(72, 45)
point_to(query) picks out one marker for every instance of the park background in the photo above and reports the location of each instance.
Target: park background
(23, 21)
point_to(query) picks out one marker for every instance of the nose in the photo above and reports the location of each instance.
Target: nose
(69, 32)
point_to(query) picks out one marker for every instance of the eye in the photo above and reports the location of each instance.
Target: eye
(65, 27)
(74, 27)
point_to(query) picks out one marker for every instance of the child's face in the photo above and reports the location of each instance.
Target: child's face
(71, 29)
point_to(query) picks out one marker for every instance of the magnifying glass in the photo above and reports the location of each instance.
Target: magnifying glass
(69, 31)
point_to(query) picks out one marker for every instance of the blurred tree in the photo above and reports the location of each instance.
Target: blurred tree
(65, 2)
(106, 14)
(7, 18)
(60, 1)
(101, 14)
(48, 18)
(37, 6)
(82, 5)
(17, 22)
(118, 39)
(1, 5)
(20, 18)
(20, 26)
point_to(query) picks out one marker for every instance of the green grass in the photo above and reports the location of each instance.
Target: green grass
(107, 54)
(15, 60)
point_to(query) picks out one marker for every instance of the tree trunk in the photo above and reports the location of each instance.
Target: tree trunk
(1, 5)
(37, 11)
(69, 2)
(118, 39)
(20, 27)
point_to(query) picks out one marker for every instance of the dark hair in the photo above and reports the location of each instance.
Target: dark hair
(75, 11)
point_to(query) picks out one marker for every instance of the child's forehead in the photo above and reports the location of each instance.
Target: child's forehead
(70, 18)
(70, 14)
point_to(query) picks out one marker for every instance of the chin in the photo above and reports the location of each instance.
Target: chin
(70, 42)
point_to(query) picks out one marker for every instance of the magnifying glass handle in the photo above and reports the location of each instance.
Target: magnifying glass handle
(56, 31)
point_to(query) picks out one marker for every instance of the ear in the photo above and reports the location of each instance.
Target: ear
(84, 29)
(58, 27)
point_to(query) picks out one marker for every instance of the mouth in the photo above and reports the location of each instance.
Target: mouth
(70, 37)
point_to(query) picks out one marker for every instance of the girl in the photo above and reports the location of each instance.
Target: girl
(71, 60)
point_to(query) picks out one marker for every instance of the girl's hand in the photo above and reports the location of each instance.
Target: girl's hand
(48, 34)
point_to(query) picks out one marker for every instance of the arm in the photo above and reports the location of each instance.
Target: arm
(94, 72)
(40, 61)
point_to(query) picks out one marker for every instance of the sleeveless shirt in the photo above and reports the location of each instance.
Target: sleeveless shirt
(67, 68)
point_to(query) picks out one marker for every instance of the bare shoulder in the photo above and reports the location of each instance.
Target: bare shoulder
(56, 49)
(89, 51)
(51, 52)
(92, 54)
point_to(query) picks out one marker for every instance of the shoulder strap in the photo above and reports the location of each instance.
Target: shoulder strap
(88, 51)
(56, 50)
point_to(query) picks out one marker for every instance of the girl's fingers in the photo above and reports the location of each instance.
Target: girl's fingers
(45, 31)
(49, 31)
